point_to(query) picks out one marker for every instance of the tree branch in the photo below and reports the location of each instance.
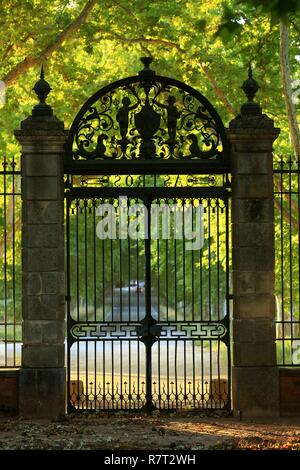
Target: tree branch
(286, 215)
(12, 46)
(287, 89)
(140, 39)
(296, 27)
(9, 48)
(31, 61)
(127, 10)
(280, 190)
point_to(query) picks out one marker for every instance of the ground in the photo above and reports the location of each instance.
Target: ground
(122, 430)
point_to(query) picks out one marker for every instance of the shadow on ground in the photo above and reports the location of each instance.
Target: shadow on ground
(122, 430)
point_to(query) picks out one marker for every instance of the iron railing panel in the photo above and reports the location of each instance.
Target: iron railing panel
(287, 259)
(10, 264)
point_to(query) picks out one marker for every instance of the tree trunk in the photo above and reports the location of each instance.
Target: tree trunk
(287, 89)
(218, 91)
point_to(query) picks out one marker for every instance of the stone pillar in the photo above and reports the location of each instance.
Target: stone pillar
(42, 376)
(255, 375)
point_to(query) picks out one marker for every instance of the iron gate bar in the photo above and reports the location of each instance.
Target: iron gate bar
(70, 408)
(142, 329)
(227, 299)
(147, 323)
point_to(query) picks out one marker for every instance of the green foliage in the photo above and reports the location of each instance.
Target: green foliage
(181, 35)
(237, 12)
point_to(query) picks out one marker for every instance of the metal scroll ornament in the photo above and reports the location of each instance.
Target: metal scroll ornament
(147, 118)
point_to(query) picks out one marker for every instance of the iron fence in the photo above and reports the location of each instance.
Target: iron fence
(10, 263)
(287, 259)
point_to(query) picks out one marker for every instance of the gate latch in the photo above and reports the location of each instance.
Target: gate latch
(146, 330)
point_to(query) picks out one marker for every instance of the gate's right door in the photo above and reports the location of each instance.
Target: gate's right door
(189, 292)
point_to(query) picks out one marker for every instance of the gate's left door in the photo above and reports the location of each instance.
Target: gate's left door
(106, 302)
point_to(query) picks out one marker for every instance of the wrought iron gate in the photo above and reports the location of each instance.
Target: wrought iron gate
(147, 251)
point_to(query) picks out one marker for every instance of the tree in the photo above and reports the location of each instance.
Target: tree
(287, 89)
(85, 44)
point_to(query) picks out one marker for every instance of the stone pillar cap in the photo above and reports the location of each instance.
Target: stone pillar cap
(42, 121)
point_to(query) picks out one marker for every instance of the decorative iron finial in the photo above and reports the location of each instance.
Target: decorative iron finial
(249, 70)
(42, 88)
(250, 86)
(146, 61)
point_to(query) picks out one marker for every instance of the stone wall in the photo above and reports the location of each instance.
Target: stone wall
(9, 392)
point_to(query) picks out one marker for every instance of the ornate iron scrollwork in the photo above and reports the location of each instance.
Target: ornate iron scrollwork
(208, 330)
(147, 117)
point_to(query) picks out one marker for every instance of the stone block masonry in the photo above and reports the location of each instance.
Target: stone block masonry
(42, 377)
(255, 374)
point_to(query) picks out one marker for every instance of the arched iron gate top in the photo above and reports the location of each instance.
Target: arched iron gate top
(147, 124)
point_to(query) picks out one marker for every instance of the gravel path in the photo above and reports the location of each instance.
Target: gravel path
(159, 431)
